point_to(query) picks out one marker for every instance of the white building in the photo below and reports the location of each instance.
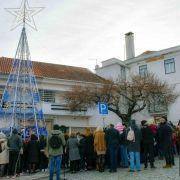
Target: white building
(164, 63)
(53, 81)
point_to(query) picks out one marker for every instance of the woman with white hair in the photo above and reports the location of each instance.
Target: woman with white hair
(4, 155)
(100, 148)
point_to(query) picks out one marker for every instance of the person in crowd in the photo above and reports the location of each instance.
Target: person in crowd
(65, 156)
(90, 159)
(174, 140)
(14, 145)
(165, 138)
(82, 152)
(123, 145)
(4, 154)
(178, 138)
(134, 140)
(112, 140)
(148, 144)
(33, 151)
(25, 154)
(100, 148)
(74, 157)
(55, 143)
(43, 164)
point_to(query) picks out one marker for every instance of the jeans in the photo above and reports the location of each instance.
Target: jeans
(124, 156)
(55, 161)
(135, 161)
(113, 157)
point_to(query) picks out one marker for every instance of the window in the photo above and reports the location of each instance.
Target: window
(143, 70)
(123, 73)
(157, 104)
(47, 95)
(169, 66)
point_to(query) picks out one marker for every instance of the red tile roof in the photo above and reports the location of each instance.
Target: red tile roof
(48, 70)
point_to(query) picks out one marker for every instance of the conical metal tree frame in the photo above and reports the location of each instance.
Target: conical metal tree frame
(20, 104)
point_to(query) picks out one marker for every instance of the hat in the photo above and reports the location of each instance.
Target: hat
(119, 127)
(143, 122)
(15, 131)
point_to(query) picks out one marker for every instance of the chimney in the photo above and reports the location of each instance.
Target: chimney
(129, 38)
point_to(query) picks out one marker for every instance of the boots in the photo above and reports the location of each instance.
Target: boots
(167, 166)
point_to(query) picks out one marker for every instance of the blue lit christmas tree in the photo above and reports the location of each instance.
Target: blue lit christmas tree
(20, 104)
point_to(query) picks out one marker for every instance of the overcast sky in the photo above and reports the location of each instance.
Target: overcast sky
(77, 32)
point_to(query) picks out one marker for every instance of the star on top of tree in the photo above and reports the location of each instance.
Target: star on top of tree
(24, 15)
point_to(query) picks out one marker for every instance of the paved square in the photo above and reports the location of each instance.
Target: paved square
(156, 174)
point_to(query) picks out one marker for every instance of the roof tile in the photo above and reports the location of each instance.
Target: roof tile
(56, 71)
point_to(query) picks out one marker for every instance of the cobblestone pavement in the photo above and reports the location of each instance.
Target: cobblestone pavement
(156, 174)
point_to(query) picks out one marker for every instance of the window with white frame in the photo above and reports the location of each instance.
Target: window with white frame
(47, 95)
(143, 70)
(169, 66)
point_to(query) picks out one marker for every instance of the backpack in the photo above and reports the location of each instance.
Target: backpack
(55, 141)
(131, 135)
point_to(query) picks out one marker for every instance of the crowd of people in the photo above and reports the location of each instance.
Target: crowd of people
(104, 148)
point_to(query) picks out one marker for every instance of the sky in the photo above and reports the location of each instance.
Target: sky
(85, 32)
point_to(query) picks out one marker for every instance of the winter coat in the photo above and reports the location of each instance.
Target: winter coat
(178, 135)
(4, 154)
(112, 137)
(123, 139)
(59, 151)
(99, 142)
(89, 146)
(147, 136)
(82, 146)
(33, 151)
(135, 146)
(165, 134)
(72, 145)
(14, 142)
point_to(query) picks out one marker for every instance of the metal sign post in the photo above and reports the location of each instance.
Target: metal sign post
(103, 110)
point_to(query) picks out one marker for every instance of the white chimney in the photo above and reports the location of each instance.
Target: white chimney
(129, 38)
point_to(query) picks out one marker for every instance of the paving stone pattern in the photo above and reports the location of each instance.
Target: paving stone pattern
(156, 174)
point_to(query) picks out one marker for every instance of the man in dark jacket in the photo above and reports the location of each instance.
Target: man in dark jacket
(165, 138)
(15, 145)
(112, 139)
(148, 144)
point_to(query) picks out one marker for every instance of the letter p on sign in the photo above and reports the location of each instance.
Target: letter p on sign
(103, 108)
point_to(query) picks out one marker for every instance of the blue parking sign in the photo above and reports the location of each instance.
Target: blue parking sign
(103, 108)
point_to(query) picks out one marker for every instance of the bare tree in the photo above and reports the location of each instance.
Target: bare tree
(124, 98)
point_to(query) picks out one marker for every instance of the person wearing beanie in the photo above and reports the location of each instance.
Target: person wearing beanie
(14, 145)
(134, 146)
(148, 144)
(55, 143)
(112, 140)
(165, 138)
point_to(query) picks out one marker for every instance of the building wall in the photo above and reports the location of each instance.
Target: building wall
(156, 67)
(111, 72)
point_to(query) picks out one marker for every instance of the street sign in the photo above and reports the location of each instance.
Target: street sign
(103, 108)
